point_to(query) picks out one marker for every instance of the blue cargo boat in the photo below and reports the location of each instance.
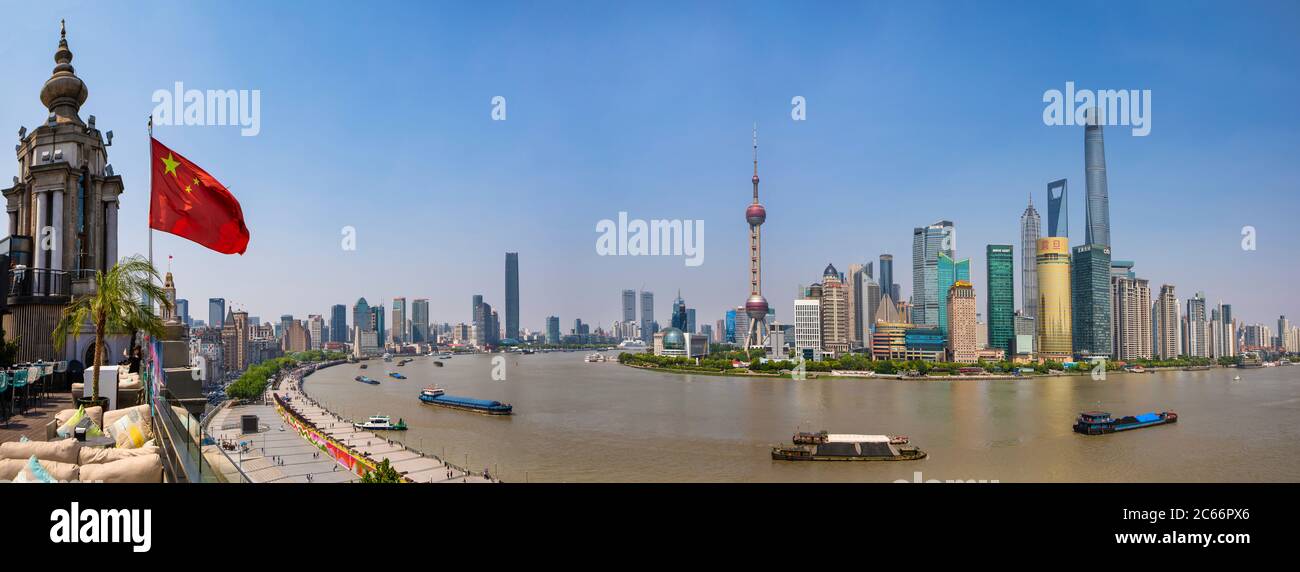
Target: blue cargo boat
(1100, 422)
(396, 375)
(436, 396)
(364, 379)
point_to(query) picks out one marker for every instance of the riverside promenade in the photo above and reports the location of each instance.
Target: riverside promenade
(414, 465)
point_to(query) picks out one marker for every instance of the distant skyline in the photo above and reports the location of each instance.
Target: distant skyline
(914, 114)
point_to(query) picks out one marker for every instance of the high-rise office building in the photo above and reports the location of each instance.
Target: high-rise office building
(420, 321)
(864, 298)
(1165, 323)
(479, 319)
(1131, 322)
(1054, 313)
(927, 243)
(1098, 196)
(1090, 300)
(361, 316)
(183, 310)
(512, 295)
(690, 321)
(216, 312)
(648, 326)
(1197, 338)
(729, 330)
(1058, 209)
(399, 320)
(1001, 305)
(629, 306)
(377, 323)
(886, 281)
(553, 330)
(315, 331)
(339, 323)
(949, 272)
(962, 328)
(808, 328)
(1030, 232)
(679, 317)
(835, 313)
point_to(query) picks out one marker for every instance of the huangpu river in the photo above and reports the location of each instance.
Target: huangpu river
(603, 422)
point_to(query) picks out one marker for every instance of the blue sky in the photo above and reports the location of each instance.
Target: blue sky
(377, 116)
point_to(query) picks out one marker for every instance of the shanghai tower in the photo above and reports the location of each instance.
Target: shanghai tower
(1094, 159)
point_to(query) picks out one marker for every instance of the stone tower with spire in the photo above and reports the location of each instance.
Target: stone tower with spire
(62, 211)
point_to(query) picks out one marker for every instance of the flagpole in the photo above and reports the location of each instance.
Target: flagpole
(149, 302)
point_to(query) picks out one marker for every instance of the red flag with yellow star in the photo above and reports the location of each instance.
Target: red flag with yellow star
(188, 202)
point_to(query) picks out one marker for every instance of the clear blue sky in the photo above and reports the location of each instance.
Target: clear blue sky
(377, 116)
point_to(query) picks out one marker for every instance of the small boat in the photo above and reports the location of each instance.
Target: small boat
(831, 447)
(594, 358)
(435, 395)
(444, 356)
(396, 375)
(364, 366)
(1137, 369)
(437, 363)
(388, 357)
(1236, 378)
(1101, 422)
(381, 423)
(364, 379)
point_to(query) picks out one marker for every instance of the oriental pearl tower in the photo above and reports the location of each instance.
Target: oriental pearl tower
(756, 305)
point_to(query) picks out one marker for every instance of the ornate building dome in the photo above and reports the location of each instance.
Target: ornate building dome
(64, 93)
(674, 339)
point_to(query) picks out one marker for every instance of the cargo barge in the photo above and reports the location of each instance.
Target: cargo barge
(825, 446)
(366, 380)
(436, 396)
(1101, 423)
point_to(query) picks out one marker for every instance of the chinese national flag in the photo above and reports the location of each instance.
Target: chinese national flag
(187, 202)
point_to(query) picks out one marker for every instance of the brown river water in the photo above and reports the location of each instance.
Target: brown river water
(603, 422)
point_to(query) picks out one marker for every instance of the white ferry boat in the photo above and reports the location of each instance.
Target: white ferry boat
(381, 423)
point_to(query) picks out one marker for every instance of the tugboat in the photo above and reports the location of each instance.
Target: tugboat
(364, 366)
(1101, 422)
(364, 379)
(381, 423)
(823, 446)
(437, 363)
(435, 395)
(396, 375)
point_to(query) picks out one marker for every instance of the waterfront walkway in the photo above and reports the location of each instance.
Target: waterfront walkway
(416, 466)
(274, 454)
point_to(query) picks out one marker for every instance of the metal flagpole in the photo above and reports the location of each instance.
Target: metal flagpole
(151, 193)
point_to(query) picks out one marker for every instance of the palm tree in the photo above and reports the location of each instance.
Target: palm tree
(115, 307)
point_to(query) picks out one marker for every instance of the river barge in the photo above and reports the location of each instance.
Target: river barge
(436, 396)
(1101, 422)
(366, 380)
(836, 447)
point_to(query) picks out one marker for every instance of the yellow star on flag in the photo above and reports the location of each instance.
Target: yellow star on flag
(170, 164)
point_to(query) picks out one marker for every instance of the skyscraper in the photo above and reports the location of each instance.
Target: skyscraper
(679, 312)
(887, 275)
(1198, 334)
(420, 321)
(949, 272)
(361, 316)
(1054, 314)
(1098, 196)
(629, 306)
(648, 327)
(1131, 317)
(399, 320)
(927, 243)
(861, 303)
(756, 305)
(1090, 300)
(835, 313)
(315, 331)
(216, 312)
(338, 323)
(183, 310)
(1001, 304)
(1030, 232)
(808, 328)
(1165, 323)
(1058, 209)
(512, 295)
(962, 333)
(553, 330)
